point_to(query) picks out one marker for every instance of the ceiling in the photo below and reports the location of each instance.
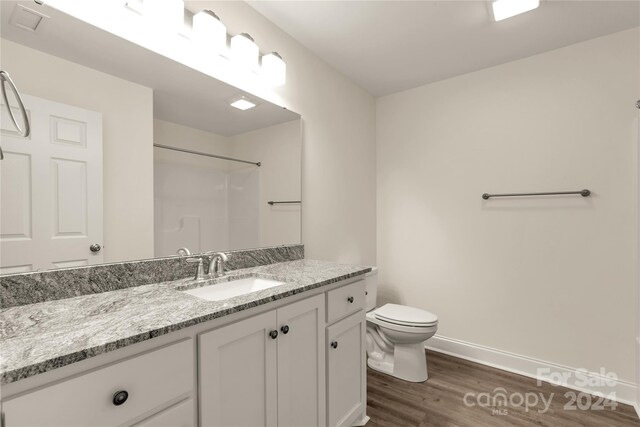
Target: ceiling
(390, 46)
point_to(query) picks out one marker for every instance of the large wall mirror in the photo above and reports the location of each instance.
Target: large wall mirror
(133, 155)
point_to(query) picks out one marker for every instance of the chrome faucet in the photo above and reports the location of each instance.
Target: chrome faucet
(216, 264)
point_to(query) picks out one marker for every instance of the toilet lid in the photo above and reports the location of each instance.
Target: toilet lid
(404, 315)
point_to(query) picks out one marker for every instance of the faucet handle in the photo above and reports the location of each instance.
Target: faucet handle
(212, 254)
(216, 263)
(184, 252)
(200, 270)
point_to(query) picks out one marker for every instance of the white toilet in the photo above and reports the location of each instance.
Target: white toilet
(396, 335)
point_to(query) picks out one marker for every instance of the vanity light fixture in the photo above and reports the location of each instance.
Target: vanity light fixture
(241, 102)
(167, 14)
(245, 51)
(210, 31)
(136, 5)
(210, 35)
(503, 9)
(274, 69)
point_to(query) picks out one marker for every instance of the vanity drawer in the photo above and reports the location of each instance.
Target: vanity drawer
(150, 380)
(179, 415)
(343, 301)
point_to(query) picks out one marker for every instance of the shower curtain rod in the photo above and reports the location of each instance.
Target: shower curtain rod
(198, 153)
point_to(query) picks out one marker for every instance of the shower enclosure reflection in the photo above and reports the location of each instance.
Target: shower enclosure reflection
(206, 203)
(204, 207)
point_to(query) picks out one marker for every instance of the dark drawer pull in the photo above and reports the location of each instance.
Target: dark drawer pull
(285, 329)
(334, 344)
(350, 299)
(120, 397)
(273, 334)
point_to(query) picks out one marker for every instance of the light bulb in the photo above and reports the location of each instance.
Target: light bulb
(503, 9)
(210, 31)
(167, 14)
(274, 69)
(244, 51)
(241, 102)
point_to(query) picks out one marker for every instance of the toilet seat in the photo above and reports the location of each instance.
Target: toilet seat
(403, 315)
(413, 329)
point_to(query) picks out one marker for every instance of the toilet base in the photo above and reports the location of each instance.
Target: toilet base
(408, 362)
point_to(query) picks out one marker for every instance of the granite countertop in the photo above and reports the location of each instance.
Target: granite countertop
(39, 337)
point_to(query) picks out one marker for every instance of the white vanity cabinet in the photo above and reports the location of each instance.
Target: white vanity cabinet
(346, 371)
(301, 364)
(117, 394)
(267, 370)
(237, 374)
(298, 361)
(346, 356)
(178, 415)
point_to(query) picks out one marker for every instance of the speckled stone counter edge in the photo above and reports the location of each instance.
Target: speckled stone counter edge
(30, 288)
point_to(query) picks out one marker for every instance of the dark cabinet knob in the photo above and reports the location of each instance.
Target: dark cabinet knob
(273, 334)
(120, 397)
(285, 329)
(334, 344)
(350, 299)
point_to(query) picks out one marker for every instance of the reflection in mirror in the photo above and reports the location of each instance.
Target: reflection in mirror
(132, 155)
(206, 203)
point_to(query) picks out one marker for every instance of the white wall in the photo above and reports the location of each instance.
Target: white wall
(278, 148)
(549, 278)
(176, 135)
(339, 193)
(127, 139)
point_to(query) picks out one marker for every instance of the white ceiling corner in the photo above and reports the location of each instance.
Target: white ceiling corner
(390, 46)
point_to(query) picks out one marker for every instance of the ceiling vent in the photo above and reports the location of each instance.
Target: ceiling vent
(25, 18)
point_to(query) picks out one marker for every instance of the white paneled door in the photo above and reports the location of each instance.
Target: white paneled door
(51, 189)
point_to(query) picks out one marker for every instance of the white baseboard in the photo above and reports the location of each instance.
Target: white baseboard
(361, 421)
(637, 405)
(624, 391)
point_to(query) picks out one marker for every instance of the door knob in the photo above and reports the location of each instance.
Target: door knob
(285, 329)
(95, 247)
(273, 334)
(334, 344)
(350, 299)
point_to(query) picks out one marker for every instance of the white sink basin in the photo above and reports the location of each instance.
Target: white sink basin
(225, 290)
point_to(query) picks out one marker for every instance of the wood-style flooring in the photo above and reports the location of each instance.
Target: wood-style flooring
(440, 400)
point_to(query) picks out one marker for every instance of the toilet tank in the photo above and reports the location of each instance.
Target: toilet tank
(371, 283)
